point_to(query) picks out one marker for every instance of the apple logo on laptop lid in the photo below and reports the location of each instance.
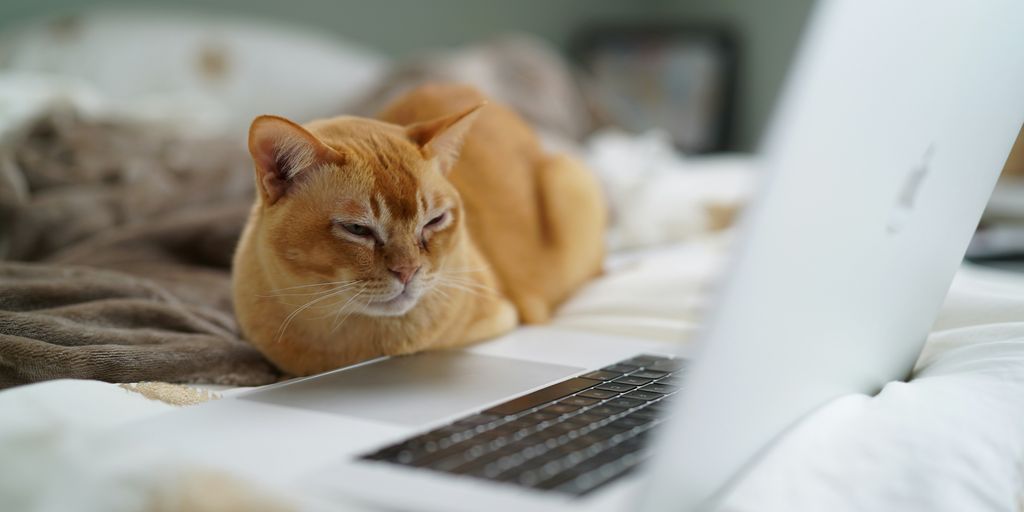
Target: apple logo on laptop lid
(909, 192)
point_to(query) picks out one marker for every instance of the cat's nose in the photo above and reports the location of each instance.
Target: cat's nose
(405, 273)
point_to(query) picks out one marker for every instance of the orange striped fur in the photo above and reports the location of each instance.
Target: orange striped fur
(439, 224)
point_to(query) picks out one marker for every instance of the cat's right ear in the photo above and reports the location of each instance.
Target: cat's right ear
(281, 150)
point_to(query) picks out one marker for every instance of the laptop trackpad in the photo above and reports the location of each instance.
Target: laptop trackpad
(417, 389)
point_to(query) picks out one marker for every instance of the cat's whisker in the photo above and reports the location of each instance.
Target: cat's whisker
(343, 320)
(304, 294)
(472, 284)
(466, 290)
(354, 297)
(457, 275)
(462, 270)
(446, 299)
(333, 306)
(467, 282)
(346, 281)
(459, 286)
(288, 320)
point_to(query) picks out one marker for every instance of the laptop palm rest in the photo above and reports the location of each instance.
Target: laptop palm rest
(417, 389)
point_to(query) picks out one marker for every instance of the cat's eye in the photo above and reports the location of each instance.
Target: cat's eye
(358, 230)
(436, 220)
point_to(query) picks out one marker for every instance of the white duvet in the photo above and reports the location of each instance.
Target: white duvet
(952, 439)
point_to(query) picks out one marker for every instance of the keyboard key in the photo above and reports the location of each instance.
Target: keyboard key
(605, 410)
(389, 453)
(630, 421)
(658, 407)
(632, 381)
(649, 374)
(575, 445)
(506, 461)
(520, 424)
(575, 423)
(592, 439)
(598, 393)
(588, 418)
(559, 408)
(579, 401)
(618, 387)
(547, 434)
(617, 467)
(558, 480)
(626, 403)
(612, 430)
(621, 368)
(659, 388)
(542, 396)
(645, 413)
(493, 441)
(602, 375)
(561, 428)
(602, 434)
(539, 416)
(644, 360)
(476, 467)
(643, 395)
(451, 463)
(425, 459)
(674, 365)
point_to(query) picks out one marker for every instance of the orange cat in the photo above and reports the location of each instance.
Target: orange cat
(438, 225)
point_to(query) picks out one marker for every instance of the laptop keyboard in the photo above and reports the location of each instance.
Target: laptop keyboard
(572, 436)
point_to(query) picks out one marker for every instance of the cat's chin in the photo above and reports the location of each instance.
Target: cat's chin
(397, 306)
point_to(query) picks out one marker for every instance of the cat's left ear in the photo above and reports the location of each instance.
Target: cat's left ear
(442, 138)
(282, 151)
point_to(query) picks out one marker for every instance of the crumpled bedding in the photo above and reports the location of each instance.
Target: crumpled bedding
(948, 440)
(116, 242)
(951, 439)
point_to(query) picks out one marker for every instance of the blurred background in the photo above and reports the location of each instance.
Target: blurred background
(755, 41)
(665, 99)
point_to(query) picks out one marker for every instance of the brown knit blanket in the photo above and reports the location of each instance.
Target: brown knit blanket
(116, 240)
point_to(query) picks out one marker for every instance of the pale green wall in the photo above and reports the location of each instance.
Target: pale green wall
(769, 30)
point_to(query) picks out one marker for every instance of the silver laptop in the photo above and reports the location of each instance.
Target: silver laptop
(892, 130)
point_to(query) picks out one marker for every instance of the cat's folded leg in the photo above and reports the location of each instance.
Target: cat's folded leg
(496, 317)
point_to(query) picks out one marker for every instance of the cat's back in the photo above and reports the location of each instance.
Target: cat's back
(496, 171)
(498, 139)
(497, 126)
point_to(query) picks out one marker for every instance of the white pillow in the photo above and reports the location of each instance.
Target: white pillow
(175, 64)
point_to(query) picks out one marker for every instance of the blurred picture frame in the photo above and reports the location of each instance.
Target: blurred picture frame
(677, 78)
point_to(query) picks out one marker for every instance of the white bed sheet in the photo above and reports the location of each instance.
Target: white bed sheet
(952, 439)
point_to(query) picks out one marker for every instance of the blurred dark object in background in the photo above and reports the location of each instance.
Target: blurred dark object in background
(679, 79)
(520, 71)
(999, 241)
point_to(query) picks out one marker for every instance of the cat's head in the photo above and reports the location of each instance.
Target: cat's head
(360, 210)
